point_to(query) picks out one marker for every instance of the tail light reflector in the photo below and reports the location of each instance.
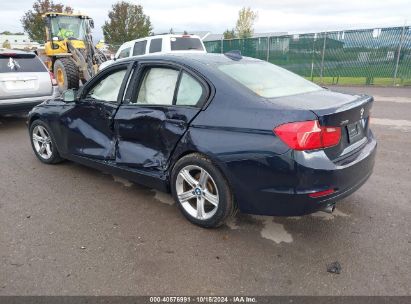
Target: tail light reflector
(321, 193)
(308, 135)
(53, 79)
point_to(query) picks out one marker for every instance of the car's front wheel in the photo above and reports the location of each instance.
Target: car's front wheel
(43, 143)
(201, 191)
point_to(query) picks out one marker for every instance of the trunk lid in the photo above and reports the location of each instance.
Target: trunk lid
(333, 109)
(22, 76)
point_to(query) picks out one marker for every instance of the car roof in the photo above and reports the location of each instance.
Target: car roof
(203, 59)
(10, 51)
(174, 35)
(161, 36)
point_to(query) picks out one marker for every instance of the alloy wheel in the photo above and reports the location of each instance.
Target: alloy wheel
(197, 192)
(42, 142)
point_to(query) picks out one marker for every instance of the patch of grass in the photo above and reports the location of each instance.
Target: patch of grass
(380, 81)
(339, 80)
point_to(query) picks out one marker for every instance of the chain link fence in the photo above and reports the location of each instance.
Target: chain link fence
(354, 57)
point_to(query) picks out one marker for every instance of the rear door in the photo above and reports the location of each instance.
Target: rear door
(22, 76)
(161, 103)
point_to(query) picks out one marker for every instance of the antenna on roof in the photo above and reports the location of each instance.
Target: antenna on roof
(234, 55)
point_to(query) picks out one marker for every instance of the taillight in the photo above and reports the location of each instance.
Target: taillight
(53, 80)
(331, 136)
(321, 193)
(308, 135)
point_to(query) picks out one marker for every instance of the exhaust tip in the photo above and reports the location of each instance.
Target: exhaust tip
(329, 209)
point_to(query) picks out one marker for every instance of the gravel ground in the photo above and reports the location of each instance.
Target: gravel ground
(70, 230)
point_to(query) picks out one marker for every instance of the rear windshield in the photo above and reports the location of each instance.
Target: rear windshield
(16, 64)
(185, 43)
(268, 80)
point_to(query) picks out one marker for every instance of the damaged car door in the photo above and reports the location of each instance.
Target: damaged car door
(157, 110)
(89, 125)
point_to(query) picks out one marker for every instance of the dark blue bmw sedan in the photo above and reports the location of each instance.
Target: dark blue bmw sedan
(221, 132)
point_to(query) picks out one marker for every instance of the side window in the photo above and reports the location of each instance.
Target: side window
(139, 48)
(155, 45)
(190, 91)
(124, 53)
(158, 86)
(108, 88)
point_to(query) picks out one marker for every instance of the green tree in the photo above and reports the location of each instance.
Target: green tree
(229, 34)
(245, 22)
(11, 33)
(33, 22)
(126, 22)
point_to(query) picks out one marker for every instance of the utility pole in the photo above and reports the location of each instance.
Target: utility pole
(312, 58)
(322, 58)
(222, 45)
(398, 55)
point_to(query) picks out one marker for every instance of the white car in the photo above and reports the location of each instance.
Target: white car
(169, 43)
(24, 82)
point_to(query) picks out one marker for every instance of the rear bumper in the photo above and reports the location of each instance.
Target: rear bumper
(22, 105)
(282, 186)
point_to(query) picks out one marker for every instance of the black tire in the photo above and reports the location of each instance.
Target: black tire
(55, 156)
(66, 74)
(226, 205)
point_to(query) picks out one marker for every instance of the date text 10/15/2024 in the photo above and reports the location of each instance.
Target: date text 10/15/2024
(203, 299)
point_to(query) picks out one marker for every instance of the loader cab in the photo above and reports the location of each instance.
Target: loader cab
(63, 27)
(72, 57)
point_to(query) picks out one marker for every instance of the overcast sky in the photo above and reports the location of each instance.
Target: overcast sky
(293, 16)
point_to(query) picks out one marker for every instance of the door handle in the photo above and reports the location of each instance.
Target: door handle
(178, 122)
(105, 112)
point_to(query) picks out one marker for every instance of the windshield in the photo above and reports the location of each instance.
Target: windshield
(186, 43)
(65, 27)
(268, 80)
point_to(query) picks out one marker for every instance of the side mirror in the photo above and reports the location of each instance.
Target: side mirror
(69, 95)
(92, 24)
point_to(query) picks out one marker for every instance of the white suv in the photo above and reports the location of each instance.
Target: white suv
(24, 82)
(169, 43)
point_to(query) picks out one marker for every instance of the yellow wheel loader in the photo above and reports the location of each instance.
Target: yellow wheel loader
(69, 51)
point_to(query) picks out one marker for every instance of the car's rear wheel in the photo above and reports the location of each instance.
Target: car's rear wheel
(201, 191)
(43, 143)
